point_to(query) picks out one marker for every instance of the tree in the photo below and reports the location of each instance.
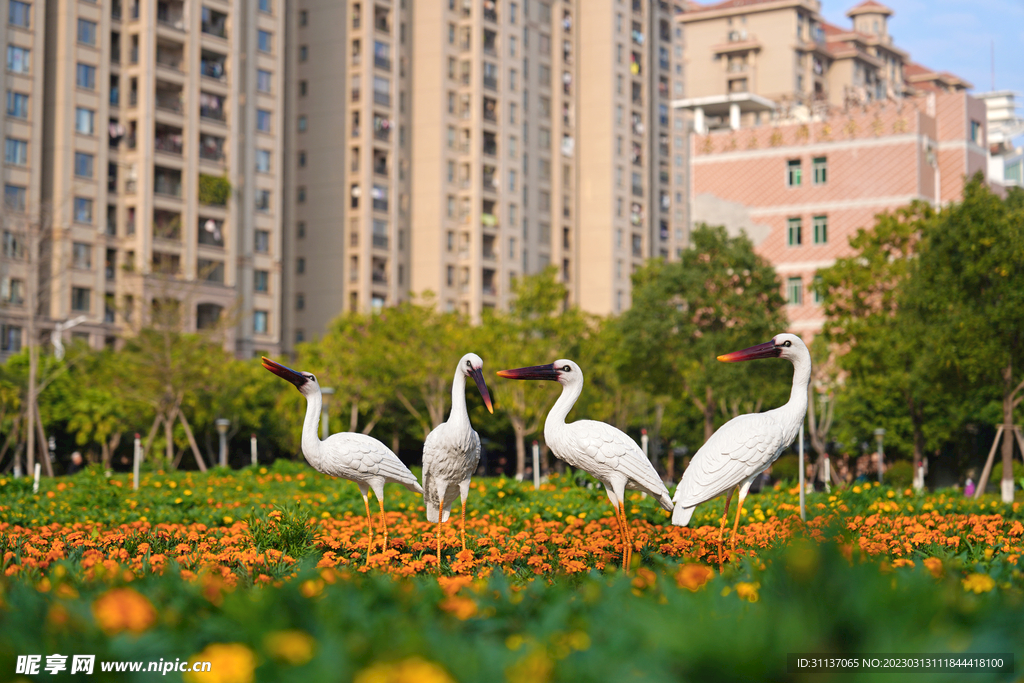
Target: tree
(719, 297)
(967, 287)
(885, 350)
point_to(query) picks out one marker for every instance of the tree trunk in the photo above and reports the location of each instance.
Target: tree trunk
(394, 441)
(45, 455)
(709, 413)
(1008, 405)
(111, 446)
(169, 437)
(192, 441)
(30, 403)
(152, 433)
(655, 443)
(519, 427)
(353, 420)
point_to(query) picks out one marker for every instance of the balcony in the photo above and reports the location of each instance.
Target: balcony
(490, 109)
(168, 98)
(171, 13)
(211, 232)
(490, 147)
(492, 181)
(487, 283)
(115, 11)
(211, 106)
(491, 11)
(490, 42)
(167, 139)
(166, 225)
(487, 246)
(490, 82)
(211, 147)
(166, 264)
(382, 55)
(382, 19)
(215, 23)
(382, 128)
(169, 55)
(213, 65)
(380, 163)
(167, 181)
(380, 198)
(380, 271)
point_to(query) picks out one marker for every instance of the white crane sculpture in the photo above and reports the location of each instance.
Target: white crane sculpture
(452, 451)
(746, 445)
(356, 457)
(595, 447)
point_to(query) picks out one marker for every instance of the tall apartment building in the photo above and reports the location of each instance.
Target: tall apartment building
(160, 151)
(448, 154)
(1005, 124)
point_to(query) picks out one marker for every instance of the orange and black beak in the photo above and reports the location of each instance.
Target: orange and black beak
(547, 372)
(284, 372)
(478, 377)
(766, 350)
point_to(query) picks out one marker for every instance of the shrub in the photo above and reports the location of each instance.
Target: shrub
(786, 468)
(214, 190)
(900, 474)
(997, 472)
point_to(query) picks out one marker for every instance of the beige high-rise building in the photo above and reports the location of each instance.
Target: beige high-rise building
(453, 146)
(161, 149)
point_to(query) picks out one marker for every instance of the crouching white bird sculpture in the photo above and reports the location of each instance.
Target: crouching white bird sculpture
(452, 451)
(747, 445)
(356, 457)
(598, 448)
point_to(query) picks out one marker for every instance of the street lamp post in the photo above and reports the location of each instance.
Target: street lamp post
(222, 432)
(325, 429)
(879, 439)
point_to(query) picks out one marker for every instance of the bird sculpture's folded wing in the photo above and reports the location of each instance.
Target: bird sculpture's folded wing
(610, 451)
(359, 457)
(742, 447)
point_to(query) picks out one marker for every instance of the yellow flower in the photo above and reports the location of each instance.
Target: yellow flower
(229, 663)
(748, 591)
(123, 609)
(979, 583)
(294, 647)
(311, 588)
(411, 670)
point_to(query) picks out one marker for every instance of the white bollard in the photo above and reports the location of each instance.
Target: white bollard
(800, 451)
(536, 466)
(35, 483)
(135, 464)
(828, 475)
(252, 445)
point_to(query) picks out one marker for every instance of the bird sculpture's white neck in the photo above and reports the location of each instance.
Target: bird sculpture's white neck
(796, 408)
(555, 421)
(310, 438)
(459, 415)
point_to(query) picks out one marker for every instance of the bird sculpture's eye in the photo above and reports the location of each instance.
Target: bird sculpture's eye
(787, 343)
(567, 368)
(313, 377)
(469, 363)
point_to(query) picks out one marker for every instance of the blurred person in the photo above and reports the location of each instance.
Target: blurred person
(76, 465)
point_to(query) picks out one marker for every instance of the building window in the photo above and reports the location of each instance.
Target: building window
(820, 170)
(263, 161)
(265, 6)
(976, 132)
(262, 242)
(81, 255)
(302, 159)
(20, 14)
(817, 296)
(303, 88)
(793, 173)
(17, 104)
(18, 59)
(821, 229)
(15, 152)
(86, 32)
(263, 120)
(83, 165)
(264, 41)
(794, 232)
(10, 338)
(303, 18)
(85, 121)
(262, 80)
(303, 124)
(303, 53)
(83, 210)
(260, 322)
(14, 198)
(80, 297)
(85, 77)
(300, 302)
(795, 291)
(300, 195)
(261, 281)
(300, 265)
(263, 201)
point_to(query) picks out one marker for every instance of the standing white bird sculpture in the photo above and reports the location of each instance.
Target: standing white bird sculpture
(356, 457)
(746, 445)
(452, 451)
(595, 447)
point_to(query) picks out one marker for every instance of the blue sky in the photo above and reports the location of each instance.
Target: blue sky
(956, 36)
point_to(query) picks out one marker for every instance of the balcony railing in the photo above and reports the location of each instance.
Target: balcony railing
(171, 144)
(491, 82)
(380, 241)
(382, 98)
(380, 204)
(382, 62)
(168, 101)
(215, 69)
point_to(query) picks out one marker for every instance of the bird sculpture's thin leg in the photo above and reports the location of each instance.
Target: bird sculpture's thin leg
(622, 535)
(439, 523)
(736, 526)
(721, 530)
(369, 525)
(463, 525)
(625, 532)
(384, 522)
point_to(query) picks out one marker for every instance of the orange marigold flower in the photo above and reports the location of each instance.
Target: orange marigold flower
(411, 670)
(748, 591)
(979, 583)
(293, 646)
(123, 609)
(229, 663)
(693, 576)
(311, 588)
(462, 608)
(934, 565)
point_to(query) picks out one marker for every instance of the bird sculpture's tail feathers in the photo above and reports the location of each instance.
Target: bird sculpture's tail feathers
(681, 515)
(414, 486)
(665, 501)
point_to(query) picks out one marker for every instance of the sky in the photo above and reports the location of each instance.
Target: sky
(956, 36)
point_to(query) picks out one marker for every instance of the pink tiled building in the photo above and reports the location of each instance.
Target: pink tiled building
(800, 190)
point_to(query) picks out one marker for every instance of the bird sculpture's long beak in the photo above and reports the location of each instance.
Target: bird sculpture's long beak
(478, 377)
(284, 372)
(533, 372)
(766, 350)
